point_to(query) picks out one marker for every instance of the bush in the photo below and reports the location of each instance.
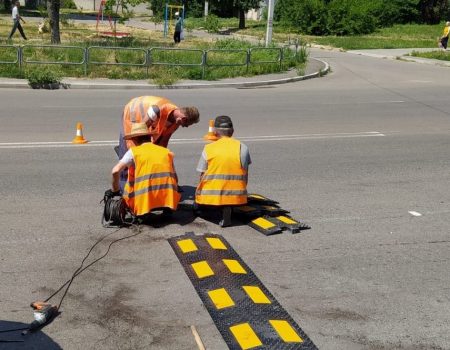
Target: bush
(212, 24)
(43, 76)
(68, 4)
(349, 17)
(308, 16)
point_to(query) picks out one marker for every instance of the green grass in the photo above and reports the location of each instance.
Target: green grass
(233, 55)
(437, 55)
(398, 36)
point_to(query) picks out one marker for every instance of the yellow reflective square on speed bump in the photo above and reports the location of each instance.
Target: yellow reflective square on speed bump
(216, 243)
(286, 220)
(187, 245)
(256, 294)
(202, 269)
(245, 336)
(265, 224)
(234, 266)
(285, 331)
(221, 298)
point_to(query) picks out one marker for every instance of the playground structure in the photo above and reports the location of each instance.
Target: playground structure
(169, 15)
(113, 33)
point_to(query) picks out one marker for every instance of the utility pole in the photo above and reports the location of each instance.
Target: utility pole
(206, 9)
(269, 22)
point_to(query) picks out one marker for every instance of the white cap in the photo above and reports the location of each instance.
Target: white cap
(177, 13)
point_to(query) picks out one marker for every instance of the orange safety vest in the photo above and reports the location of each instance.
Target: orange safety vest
(137, 108)
(225, 181)
(152, 182)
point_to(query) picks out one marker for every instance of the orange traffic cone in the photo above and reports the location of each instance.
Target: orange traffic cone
(210, 135)
(79, 137)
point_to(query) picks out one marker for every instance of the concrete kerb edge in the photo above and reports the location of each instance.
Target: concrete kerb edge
(105, 86)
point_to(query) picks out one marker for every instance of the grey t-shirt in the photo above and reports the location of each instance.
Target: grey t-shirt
(202, 165)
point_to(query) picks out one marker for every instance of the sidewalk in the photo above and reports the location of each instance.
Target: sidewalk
(401, 54)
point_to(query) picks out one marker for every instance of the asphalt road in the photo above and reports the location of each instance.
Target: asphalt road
(357, 155)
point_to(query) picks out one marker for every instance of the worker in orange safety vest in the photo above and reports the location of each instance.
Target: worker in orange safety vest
(152, 182)
(162, 118)
(224, 171)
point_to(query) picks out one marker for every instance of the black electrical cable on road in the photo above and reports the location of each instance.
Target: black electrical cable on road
(78, 271)
(81, 268)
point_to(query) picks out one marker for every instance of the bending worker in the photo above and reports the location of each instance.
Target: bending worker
(160, 115)
(152, 181)
(224, 171)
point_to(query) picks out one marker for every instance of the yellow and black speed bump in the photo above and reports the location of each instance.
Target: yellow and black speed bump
(244, 311)
(258, 198)
(263, 225)
(286, 222)
(247, 210)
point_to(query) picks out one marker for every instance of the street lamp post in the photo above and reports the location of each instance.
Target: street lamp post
(269, 22)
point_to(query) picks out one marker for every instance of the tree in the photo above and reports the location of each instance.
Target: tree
(239, 7)
(433, 10)
(7, 5)
(53, 7)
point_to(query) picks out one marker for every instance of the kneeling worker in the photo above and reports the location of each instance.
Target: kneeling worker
(152, 181)
(224, 171)
(162, 118)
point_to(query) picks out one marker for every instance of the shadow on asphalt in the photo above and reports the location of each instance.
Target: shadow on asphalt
(31, 341)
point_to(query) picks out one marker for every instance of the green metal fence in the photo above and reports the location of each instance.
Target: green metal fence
(141, 57)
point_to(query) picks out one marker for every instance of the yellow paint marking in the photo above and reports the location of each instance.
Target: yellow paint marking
(187, 246)
(234, 266)
(286, 220)
(256, 294)
(265, 224)
(245, 336)
(221, 298)
(285, 331)
(202, 269)
(216, 243)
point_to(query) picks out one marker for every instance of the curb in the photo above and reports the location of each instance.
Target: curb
(23, 84)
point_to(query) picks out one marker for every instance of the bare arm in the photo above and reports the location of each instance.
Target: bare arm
(115, 175)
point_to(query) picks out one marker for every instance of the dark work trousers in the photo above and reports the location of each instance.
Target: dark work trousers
(177, 37)
(444, 42)
(17, 25)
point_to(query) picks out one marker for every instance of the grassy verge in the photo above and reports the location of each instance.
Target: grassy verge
(437, 55)
(127, 60)
(397, 36)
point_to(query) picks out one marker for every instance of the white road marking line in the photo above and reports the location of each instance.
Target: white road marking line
(60, 144)
(414, 213)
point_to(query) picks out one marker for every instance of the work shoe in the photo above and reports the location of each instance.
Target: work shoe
(226, 217)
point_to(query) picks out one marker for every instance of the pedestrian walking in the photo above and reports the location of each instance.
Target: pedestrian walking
(178, 28)
(443, 41)
(16, 22)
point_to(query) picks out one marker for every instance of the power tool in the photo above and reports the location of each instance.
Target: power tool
(43, 313)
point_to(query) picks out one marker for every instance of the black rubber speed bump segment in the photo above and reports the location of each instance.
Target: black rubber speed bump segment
(263, 225)
(244, 311)
(258, 198)
(286, 222)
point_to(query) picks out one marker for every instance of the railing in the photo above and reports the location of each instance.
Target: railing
(141, 57)
(48, 51)
(13, 48)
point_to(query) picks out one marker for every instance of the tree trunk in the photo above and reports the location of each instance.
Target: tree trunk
(53, 16)
(241, 19)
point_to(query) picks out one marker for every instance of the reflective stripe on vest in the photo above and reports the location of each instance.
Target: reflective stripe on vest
(152, 181)
(225, 181)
